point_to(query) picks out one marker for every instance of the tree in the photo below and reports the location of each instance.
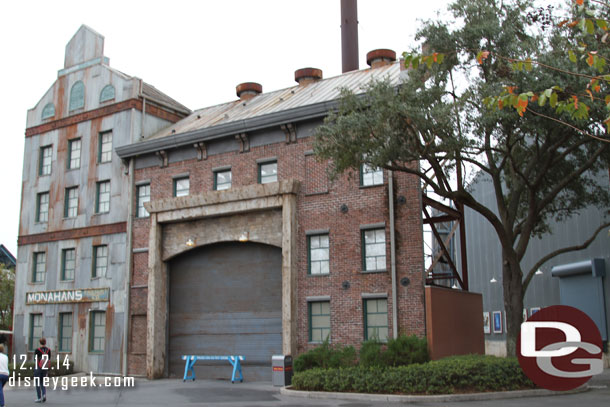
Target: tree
(7, 291)
(436, 122)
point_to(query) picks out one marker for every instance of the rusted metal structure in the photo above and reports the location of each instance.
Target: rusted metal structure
(349, 35)
(71, 282)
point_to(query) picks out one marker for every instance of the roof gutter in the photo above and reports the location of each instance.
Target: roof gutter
(228, 129)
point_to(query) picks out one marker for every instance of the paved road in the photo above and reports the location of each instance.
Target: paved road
(171, 392)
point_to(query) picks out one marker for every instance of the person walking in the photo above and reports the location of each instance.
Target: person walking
(43, 360)
(3, 373)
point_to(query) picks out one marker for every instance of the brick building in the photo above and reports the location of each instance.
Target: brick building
(259, 251)
(208, 232)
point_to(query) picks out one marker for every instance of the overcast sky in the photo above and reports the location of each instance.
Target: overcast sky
(194, 51)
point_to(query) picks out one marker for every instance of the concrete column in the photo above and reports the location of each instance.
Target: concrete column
(157, 304)
(289, 279)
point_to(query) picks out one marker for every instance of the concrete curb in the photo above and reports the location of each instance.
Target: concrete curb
(392, 398)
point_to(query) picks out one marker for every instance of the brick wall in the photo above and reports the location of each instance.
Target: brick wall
(318, 207)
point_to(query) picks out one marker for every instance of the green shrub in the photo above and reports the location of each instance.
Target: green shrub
(458, 374)
(371, 354)
(406, 350)
(326, 356)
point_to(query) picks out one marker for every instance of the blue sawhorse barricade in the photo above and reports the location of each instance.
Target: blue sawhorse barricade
(189, 372)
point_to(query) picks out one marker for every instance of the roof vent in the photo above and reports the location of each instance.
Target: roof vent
(247, 90)
(305, 76)
(380, 57)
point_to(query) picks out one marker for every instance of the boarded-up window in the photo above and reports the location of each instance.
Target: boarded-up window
(316, 179)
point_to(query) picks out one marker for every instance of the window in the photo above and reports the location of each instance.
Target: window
(318, 254)
(104, 148)
(48, 111)
(376, 319)
(39, 267)
(107, 93)
(373, 244)
(35, 331)
(102, 201)
(74, 153)
(44, 167)
(68, 264)
(97, 331)
(71, 203)
(143, 196)
(319, 321)
(65, 332)
(77, 96)
(267, 172)
(222, 180)
(42, 207)
(100, 261)
(181, 186)
(370, 175)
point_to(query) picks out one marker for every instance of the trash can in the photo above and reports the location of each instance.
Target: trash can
(282, 370)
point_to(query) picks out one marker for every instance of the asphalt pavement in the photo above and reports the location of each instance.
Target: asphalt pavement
(175, 392)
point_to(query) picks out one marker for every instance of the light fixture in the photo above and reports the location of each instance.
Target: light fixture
(244, 237)
(539, 272)
(190, 242)
(493, 280)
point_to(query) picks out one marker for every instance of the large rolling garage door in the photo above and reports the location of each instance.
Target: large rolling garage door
(226, 299)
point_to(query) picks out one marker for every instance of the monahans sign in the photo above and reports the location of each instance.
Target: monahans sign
(66, 296)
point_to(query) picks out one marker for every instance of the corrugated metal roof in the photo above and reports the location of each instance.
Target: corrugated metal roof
(154, 94)
(277, 101)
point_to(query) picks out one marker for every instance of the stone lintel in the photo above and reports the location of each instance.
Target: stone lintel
(248, 192)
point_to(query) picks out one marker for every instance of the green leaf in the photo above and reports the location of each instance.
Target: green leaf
(572, 56)
(589, 26)
(542, 100)
(440, 58)
(606, 78)
(415, 62)
(602, 24)
(548, 92)
(553, 100)
(528, 64)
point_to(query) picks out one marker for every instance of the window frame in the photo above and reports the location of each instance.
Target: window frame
(92, 331)
(35, 263)
(260, 171)
(310, 316)
(364, 247)
(64, 253)
(309, 249)
(373, 170)
(67, 206)
(42, 156)
(61, 333)
(365, 309)
(31, 337)
(38, 206)
(221, 171)
(98, 186)
(94, 264)
(175, 182)
(72, 142)
(100, 146)
(139, 202)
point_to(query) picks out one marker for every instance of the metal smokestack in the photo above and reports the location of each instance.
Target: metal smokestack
(349, 35)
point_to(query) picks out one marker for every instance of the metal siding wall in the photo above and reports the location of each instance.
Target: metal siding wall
(225, 299)
(485, 256)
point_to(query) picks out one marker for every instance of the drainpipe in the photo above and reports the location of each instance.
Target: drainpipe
(129, 265)
(393, 254)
